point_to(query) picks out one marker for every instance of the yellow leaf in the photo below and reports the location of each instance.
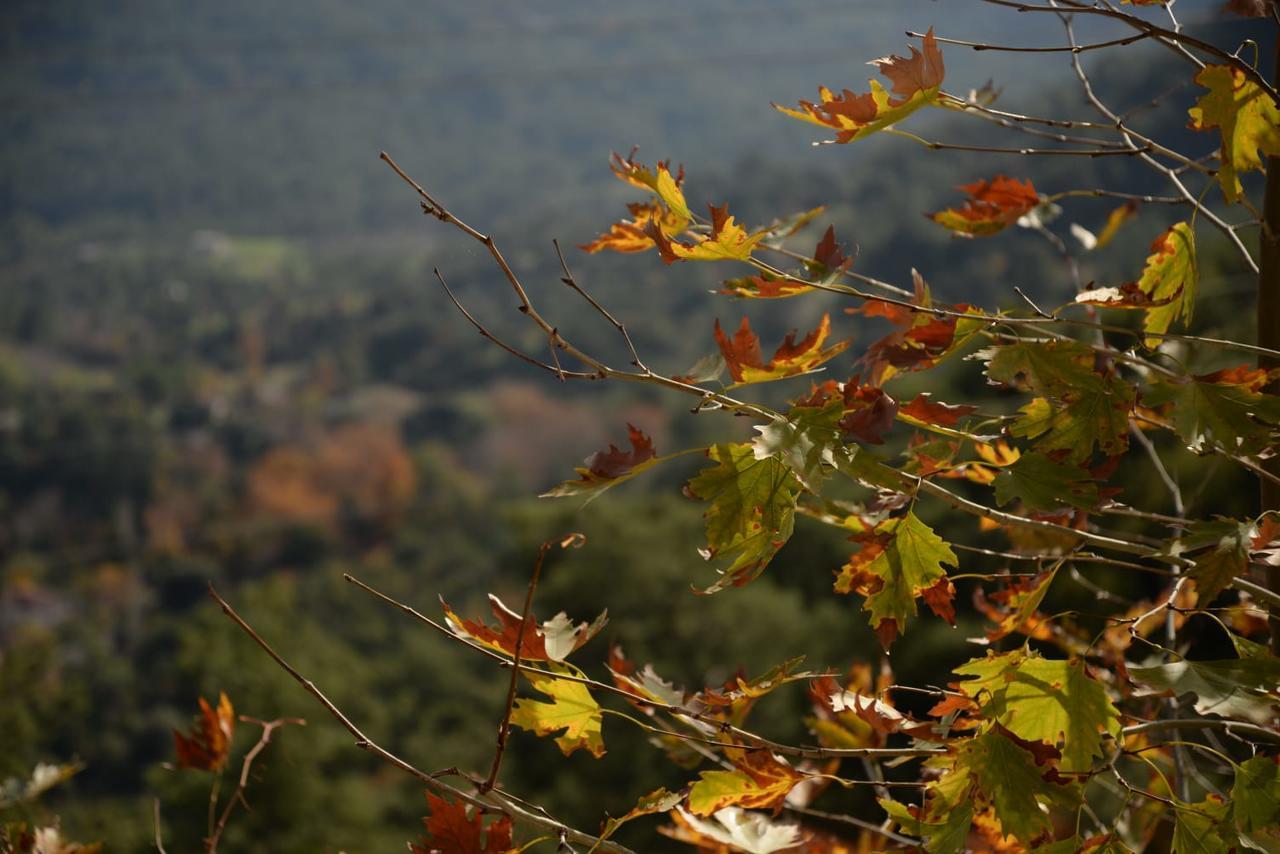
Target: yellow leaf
(572, 710)
(1247, 117)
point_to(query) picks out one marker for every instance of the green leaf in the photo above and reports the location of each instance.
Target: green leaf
(947, 836)
(1040, 699)
(572, 709)
(1226, 553)
(1247, 116)
(804, 440)
(1043, 484)
(1170, 278)
(911, 562)
(1255, 796)
(752, 512)
(1241, 688)
(1202, 828)
(1094, 416)
(1226, 415)
(1007, 776)
(1051, 368)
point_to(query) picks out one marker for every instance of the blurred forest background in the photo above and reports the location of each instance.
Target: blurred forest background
(223, 358)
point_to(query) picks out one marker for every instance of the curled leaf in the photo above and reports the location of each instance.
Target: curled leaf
(553, 640)
(208, 743)
(747, 365)
(992, 207)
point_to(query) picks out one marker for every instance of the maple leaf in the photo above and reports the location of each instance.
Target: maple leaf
(947, 835)
(209, 742)
(759, 780)
(996, 767)
(1166, 289)
(734, 829)
(727, 241)
(632, 235)
(746, 363)
(1203, 828)
(605, 469)
(1242, 688)
(1042, 483)
(1013, 608)
(992, 207)
(1224, 409)
(1247, 118)
(1220, 548)
(572, 711)
(916, 82)
(659, 181)
(805, 439)
(752, 512)
(926, 410)
(553, 640)
(1040, 699)
(451, 831)
(1255, 795)
(902, 559)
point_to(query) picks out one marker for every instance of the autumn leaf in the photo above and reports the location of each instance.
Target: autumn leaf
(573, 712)
(926, 410)
(1117, 218)
(1167, 288)
(734, 829)
(605, 469)
(727, 241)
(1013, 607)
(1247, 118)
(659, 181)
(658, 801)
(1241, 688)
(553, 640)
(747, 365)
(759, 780)
(900, 561)
(992, 207)
(208, 744)
(1220, 548)
(632, 235)
(1040, 699)
(451, 831)
(916, 82)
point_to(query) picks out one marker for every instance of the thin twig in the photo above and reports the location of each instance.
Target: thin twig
(979, 46)
(495, 798)
(237, 797)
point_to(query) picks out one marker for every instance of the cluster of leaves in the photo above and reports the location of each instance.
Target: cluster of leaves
(1060, 738)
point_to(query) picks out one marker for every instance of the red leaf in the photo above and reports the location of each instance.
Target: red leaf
(992, 207)
(941, 599)
(451, 831)
(869, 413)
(923, 408)
(615, 462)
(209, 742)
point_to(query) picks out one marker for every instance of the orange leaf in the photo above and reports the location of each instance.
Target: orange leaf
(925, 409)
(209, 742)
(746, 362)
(553, 640)
(630, 235)
(451, 831)
(992, 207)
(916, 80)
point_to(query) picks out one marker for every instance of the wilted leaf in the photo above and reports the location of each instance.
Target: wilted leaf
(734, 829)
(572, 711)
(752, 512)
(915, 83)
(992, 207)
(657, 801)
(1247, 118)
(553, 640)
(747, 365)
(451, 831)
(209, 742)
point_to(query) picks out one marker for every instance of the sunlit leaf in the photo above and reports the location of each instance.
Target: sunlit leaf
(747, 365)
(605, 469)
(735, 829)
(552, 640)
(208, 743)
(992, 207)
(916, 81)
(759, 781)
(573, 712)
(1247, 117)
